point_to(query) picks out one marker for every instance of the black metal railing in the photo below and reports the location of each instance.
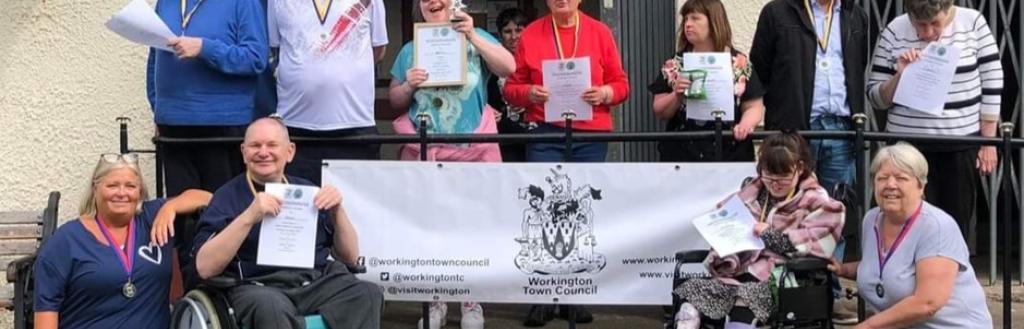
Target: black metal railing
(861, 138)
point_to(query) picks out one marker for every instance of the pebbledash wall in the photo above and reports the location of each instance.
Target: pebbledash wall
(64, 79)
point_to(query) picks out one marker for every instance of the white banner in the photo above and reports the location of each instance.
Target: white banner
(528, 233)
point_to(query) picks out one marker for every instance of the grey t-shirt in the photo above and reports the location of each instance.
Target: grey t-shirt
(934, 234)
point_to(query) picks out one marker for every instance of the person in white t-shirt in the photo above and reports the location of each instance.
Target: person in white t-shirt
(325, 76)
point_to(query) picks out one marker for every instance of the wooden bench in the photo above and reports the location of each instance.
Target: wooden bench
(21, 234)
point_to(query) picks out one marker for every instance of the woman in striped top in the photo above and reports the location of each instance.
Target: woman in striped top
(972, 104)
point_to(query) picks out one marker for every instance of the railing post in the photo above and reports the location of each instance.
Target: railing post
(568, 116)
(123, 123)
(860, 182)
(159, 159)
(1007, 129)
(718, 134)
(422, 129)
(424, 120)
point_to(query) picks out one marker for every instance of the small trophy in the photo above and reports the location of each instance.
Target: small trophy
(457, 6)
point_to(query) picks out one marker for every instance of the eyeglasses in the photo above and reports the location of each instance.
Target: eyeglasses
(778, 180)
(118, 157)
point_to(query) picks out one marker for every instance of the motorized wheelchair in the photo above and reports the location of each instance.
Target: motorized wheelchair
(804, 301)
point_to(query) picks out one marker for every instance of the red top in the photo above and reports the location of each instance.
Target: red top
(537, 44)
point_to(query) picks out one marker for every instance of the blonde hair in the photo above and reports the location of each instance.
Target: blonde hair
(904, 157)
(104, 167)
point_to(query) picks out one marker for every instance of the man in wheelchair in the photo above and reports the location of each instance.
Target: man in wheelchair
(275, 297)
(796, 218)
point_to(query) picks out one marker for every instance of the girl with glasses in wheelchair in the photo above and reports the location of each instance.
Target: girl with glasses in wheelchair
(796, 218)
(111, 267)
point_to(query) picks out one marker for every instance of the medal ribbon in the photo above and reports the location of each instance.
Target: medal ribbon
(124, 256)
(883, 258)
(823, 43)
(252, 187)
(558, 38)
(187, 18)
(322, 9)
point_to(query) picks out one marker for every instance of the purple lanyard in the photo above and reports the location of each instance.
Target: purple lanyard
(122, 255)
(884, 258)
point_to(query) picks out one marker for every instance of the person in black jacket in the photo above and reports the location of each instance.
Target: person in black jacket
(810, 56)
(813, 76)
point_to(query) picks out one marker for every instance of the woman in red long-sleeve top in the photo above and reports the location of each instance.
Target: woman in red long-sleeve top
(578, 36)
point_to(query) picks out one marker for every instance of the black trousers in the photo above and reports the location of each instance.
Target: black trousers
(309, 158)
(952, 185)
(280, 300)
(204, 167)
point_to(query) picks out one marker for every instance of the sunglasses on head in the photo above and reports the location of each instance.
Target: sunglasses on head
(118, 157)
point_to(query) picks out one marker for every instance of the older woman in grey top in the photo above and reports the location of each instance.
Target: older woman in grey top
(914, 270)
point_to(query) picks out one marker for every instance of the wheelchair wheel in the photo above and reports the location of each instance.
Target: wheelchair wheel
(199, 310)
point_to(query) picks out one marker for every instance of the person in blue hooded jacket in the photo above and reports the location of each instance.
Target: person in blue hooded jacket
(206, 86)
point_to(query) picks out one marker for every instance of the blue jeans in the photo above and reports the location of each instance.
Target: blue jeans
(555, 152)
(833, 157)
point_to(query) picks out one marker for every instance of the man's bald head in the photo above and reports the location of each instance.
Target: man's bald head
(267, 149)
(262, 125)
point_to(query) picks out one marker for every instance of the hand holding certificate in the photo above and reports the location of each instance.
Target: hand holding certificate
(729, 229)
(710, 76)
(138, 23)
(289, 239)
(441, 51)
(925, 83)
(566, 80)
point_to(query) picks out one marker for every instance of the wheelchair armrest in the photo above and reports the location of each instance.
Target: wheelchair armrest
(692, 256)
(16, 267)
(220, 282)
(355, 268)
(803, 264)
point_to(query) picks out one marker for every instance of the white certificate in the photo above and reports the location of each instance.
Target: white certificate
(566, 80)
(138, 23)
(289, 239)
(925, 83)
(441, 51)
(718, 85)
(729, 229)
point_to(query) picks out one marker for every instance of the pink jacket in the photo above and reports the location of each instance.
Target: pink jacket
(811, 219)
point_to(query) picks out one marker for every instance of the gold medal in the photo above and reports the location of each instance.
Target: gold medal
(437, 102)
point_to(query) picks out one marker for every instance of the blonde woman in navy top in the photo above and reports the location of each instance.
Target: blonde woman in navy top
(111, 266)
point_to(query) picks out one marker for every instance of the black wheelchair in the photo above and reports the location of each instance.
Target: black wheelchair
(205, 305)
(805, 302)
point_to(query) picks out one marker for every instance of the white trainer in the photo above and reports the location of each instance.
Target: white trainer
(688, 317)
(438, 315)
(472, 315)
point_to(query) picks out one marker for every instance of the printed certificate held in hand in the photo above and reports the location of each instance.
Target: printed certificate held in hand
(729, 229)
(711, 74)
(441, 51)
(289, 239)
(925, 83)
(566, 81)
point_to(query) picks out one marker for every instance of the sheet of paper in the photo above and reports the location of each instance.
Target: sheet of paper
(925, 83)
(729, 229)
(139, 23)
(566, 80)
(289, 239)
(718, 85)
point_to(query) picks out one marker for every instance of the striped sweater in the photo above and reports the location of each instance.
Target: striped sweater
(977, 86)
